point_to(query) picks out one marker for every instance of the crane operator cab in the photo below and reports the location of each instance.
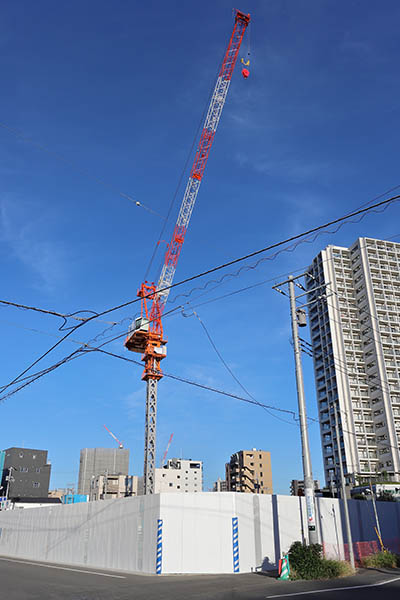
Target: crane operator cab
(137, 335)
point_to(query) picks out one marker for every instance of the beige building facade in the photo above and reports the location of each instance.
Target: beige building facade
(249, 471)
(110, 487)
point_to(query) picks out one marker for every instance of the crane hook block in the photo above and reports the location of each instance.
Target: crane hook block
(245, 62)
(245, 73)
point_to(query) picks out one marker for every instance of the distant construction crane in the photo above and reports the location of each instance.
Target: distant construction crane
(146, 333)
(166, 450)
(120, 444)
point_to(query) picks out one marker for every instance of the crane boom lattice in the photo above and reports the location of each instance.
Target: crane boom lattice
(146, 334)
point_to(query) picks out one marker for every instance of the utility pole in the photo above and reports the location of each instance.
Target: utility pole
(9, 479)
(309, 491)
(344, 496)
(375, 511)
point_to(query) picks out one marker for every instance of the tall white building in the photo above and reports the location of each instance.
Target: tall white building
(179, 475)
(355, 334)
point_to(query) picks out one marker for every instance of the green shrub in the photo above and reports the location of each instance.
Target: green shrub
(380, 559)
(306, 562)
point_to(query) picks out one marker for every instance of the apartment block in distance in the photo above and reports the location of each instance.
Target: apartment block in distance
(249, 471)
(29, 472)
(100, 461)
(355, 335)
(297, 487)
(179, 475)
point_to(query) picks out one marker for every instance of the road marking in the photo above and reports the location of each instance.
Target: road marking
(26, 562)
(338, 589)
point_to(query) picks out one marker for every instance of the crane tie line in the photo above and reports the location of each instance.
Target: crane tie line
(78, 169)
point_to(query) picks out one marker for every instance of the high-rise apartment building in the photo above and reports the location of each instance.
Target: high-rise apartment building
(249, 471)
(100, 461)
(355, 334)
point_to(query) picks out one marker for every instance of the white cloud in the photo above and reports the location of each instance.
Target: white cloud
(135, 404)
(23, 230)
(292, 168)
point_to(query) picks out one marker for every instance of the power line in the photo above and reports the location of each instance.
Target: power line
(298, 240)
(227, 367)
(55, 313)
(315, 230)
(200, 385)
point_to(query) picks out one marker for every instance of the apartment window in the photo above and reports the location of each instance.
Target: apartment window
(33, 456)
(23, 469)
(260, 455)
(21, 455)
(261, 473)
(37, 469)
(170, 484)
(36, 484)
(252, 464)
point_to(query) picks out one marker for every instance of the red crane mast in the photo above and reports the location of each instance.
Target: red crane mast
(146, 333)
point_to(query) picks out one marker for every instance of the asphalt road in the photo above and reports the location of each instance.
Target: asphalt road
(23, 580)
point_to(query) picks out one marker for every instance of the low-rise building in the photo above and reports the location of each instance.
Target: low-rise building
(25, 473)
(297, 487)
(220, 485)
(179, 475)
(385, 491)
(74, 498)
(109, 487)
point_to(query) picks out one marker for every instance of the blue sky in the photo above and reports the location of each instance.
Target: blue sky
(118, 89)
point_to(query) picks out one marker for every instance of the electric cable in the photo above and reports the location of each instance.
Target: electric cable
(315, 230)
(55, 313)
(227, 367)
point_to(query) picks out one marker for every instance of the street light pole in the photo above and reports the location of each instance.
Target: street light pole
(344, 496)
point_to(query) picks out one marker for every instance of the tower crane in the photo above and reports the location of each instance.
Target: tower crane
(120, 444)
(166, 450)
(146, 334)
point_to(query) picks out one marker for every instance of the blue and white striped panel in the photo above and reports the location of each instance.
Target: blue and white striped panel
(235, 544)
(159, 547)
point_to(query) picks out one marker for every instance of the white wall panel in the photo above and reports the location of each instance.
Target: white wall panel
(197, 531)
